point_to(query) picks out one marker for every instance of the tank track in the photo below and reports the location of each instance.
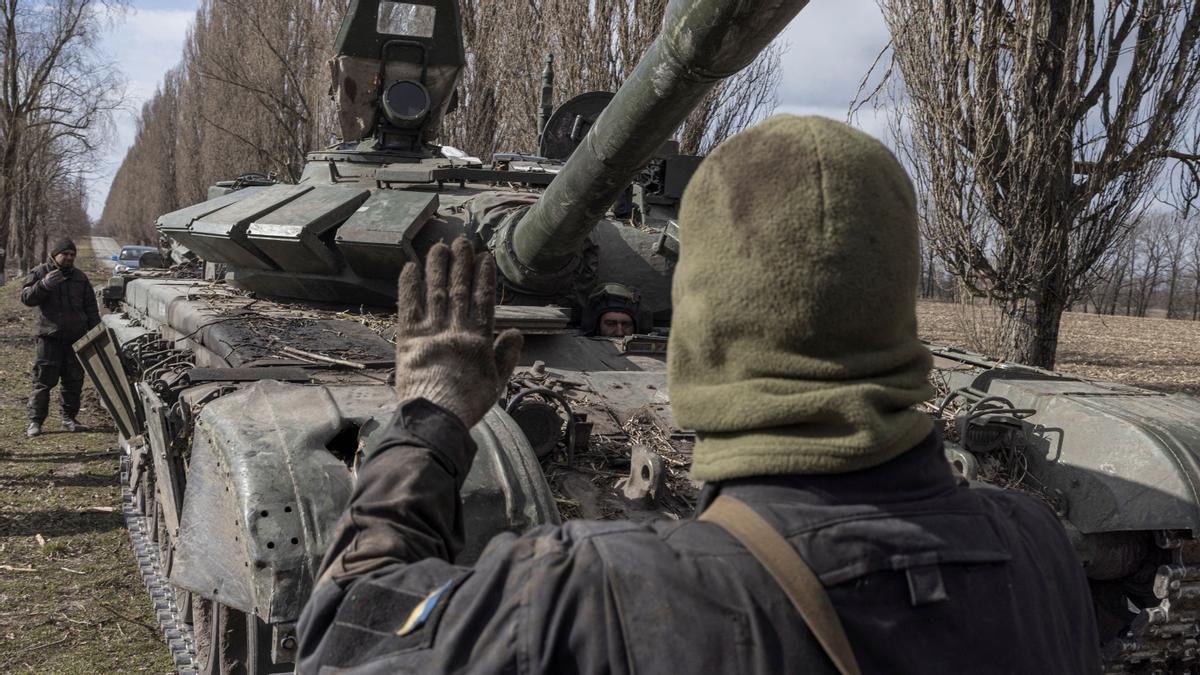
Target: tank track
(1165, 638)
(176, 630)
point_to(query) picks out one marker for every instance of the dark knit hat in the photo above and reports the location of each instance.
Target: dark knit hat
(794, 343)
(64, 244)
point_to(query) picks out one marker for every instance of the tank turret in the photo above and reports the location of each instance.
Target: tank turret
(701, 43)
(386, 193)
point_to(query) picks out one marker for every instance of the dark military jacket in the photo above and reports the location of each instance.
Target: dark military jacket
(928, 574)
(66, 311)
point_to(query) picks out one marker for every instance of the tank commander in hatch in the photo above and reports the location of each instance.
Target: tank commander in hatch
(800, 390)
(612, 311)
(65, 305)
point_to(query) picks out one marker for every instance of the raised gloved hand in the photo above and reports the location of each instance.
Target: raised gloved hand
(444, 326)
(53, 279)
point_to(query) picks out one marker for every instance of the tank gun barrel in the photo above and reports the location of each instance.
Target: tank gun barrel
(701, 43)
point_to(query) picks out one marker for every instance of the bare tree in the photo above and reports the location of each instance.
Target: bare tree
(1177, 242)
(1038, 127)
(56, 95)
(1193, 267)
(1152, 236)
(250, 95)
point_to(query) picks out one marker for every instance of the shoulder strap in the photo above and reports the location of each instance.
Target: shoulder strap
(790, 571)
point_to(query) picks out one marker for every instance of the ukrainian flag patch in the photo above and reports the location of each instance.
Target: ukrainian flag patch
(423, 610)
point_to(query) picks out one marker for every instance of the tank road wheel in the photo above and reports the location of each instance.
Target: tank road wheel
(140, 491)
(166, 562)
(229, 642)
(201, 621)
(144, 497)
(153, 520)
(220, 635)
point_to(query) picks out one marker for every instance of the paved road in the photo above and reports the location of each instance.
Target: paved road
(105, 248)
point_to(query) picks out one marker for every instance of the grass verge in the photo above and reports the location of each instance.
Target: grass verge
(71, 598)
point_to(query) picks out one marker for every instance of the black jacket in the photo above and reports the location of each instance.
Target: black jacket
(66, 311)
(928, 575)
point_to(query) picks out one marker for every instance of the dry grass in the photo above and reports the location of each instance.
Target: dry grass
(73, 601)
(1158, 354)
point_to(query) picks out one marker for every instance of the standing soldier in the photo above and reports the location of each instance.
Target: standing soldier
(65, 304)
(834, 537)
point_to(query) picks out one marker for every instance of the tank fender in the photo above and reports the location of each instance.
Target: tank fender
(270, 475)
(263, 493)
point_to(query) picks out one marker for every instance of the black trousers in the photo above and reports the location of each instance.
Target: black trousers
(55, 362)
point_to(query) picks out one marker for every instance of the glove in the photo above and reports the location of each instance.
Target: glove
(444, 327)
(53, 279)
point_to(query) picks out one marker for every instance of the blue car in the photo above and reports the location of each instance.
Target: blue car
(129, 257)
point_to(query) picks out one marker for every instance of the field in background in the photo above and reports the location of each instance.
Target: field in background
(71, 598)
(1158, 354)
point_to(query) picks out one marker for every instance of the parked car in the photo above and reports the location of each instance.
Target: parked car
(129, 258)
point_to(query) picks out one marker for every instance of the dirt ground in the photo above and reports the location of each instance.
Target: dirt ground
(1158, 354)
(71, 599)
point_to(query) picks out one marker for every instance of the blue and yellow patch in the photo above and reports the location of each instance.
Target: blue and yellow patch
(420, 614)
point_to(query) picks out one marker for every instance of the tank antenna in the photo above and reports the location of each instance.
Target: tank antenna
(547, 106)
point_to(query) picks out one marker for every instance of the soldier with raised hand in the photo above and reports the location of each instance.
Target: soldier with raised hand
(834, 536)
(66, 309)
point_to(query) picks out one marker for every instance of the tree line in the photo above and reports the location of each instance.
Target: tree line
(251, 93)
(57, 98)
(1153, 271)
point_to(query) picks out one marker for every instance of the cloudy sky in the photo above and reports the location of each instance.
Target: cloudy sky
(831, 44)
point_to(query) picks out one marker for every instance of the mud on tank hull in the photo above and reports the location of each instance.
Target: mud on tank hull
(238, 468)
(1120, 466)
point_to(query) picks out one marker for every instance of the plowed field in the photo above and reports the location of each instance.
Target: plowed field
(1159, 354)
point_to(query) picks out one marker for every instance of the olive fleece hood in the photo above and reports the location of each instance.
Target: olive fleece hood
(793, 345)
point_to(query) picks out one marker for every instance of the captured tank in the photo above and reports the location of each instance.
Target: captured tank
(246, 380)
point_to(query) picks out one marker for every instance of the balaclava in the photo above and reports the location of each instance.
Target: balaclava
(793, 346)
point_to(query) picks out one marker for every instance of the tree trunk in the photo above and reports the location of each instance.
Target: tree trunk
(1171, 286)
(1034, 333)
(1196, 297)
(6, 172)
(1034, 321)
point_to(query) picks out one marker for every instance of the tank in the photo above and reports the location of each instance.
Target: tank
(246, 380)
(245, 393)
